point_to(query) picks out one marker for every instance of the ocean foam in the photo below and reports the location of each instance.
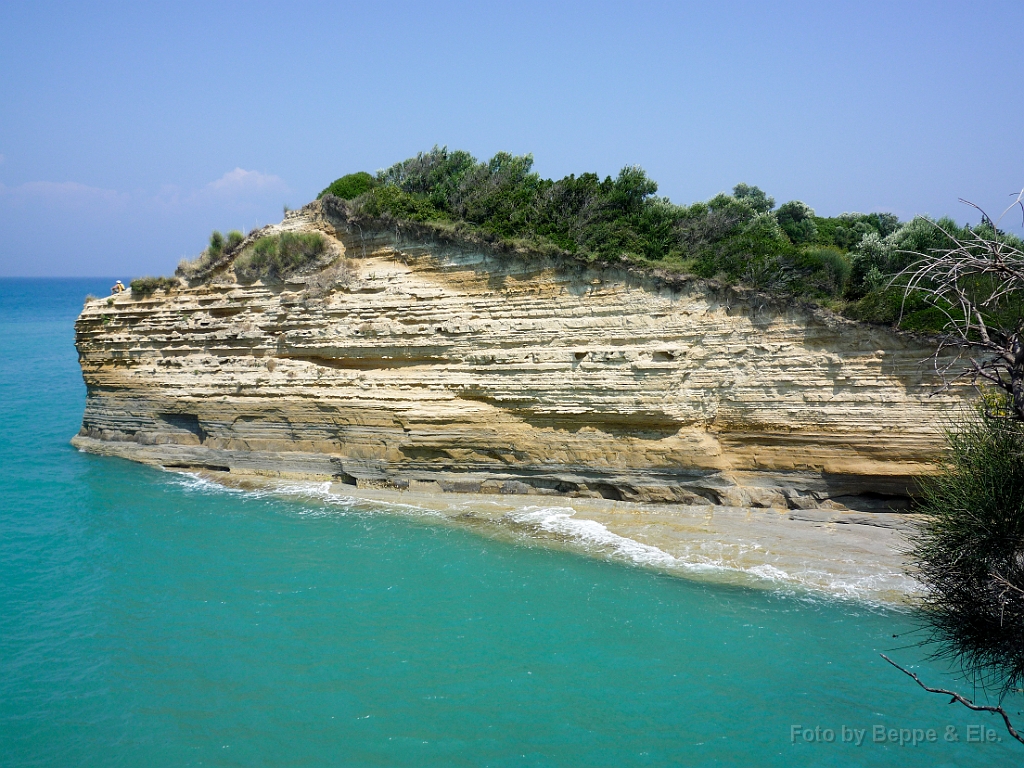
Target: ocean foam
(560, 520)
(191, 481)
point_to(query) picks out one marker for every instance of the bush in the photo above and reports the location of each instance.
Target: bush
(739, 237)
(201, 266)
(436, 175)
(797, 221)
(351, 186)
(278, 256)
(216, 244)
(829, 268)
(399, 204)
(146, 286)
(970, 552)
(754, 197)
(729, 239)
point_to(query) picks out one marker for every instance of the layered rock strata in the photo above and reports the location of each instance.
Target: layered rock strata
(429, 365)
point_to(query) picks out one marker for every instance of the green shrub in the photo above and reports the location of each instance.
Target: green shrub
(202, 265)
(797, 221)
(881, 307)
(730, 240)
(436, 175)
(278, 256)
(351, 186)
(600, 219)
(849, 260)
(397, 203)
(216, 244)
(828, 267)
(970, 551)
(146, 286)
(754, 197)
(929, 320)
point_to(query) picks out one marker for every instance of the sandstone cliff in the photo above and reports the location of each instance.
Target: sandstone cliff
(423, 364)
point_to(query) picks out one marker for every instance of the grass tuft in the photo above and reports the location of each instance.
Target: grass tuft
(275, 257)
(146, 286)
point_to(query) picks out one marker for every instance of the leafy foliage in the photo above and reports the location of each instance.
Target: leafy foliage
(396, 202)
(797, 221)
(848, 260)
(755, 197)
(350, 186)
(828, 268)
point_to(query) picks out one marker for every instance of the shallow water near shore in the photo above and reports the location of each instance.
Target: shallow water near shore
(805, 552)
(149, 618)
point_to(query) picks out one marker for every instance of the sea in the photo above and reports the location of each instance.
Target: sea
(149, 618)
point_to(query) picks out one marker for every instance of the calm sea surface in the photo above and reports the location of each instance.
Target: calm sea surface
(149, 619)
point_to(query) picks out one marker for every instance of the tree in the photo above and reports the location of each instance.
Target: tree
(797, 221)
(350, 186)
(755, 197)
(969, 552)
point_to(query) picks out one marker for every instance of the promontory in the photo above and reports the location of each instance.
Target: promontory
(384, 354)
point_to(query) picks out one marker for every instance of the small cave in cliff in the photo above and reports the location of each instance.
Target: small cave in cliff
(188, 422)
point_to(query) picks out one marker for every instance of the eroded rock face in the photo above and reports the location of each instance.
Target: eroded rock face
(441, 367)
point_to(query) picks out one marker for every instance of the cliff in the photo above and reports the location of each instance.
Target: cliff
(414, 361)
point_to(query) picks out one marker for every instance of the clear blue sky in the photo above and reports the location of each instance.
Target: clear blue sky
(129, 131)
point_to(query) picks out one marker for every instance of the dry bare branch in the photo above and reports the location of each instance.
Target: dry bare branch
(966, 702)
(978, 285)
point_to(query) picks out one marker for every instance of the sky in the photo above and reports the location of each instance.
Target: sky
(129, 131)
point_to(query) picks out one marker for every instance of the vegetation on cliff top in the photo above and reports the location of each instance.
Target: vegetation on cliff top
(270, 257)
(276, 256)
(845, 261)
(218, 252)
(146, 286)
(850, 262)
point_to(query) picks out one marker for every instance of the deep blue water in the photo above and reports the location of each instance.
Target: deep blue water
(149, 620)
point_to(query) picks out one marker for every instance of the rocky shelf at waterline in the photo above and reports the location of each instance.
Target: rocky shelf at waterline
(430, 364)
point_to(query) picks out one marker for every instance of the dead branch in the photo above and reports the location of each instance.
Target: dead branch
(968, 283)
(957, 697)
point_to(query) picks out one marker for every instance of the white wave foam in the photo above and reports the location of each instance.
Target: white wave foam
(190, 481)
(560, 520)
(769, 571)
(868, 585)
(593, 535)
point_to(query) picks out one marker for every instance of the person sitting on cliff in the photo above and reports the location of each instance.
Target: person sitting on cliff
(118, 287)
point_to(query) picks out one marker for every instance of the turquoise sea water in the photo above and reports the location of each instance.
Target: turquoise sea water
(147, 619)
